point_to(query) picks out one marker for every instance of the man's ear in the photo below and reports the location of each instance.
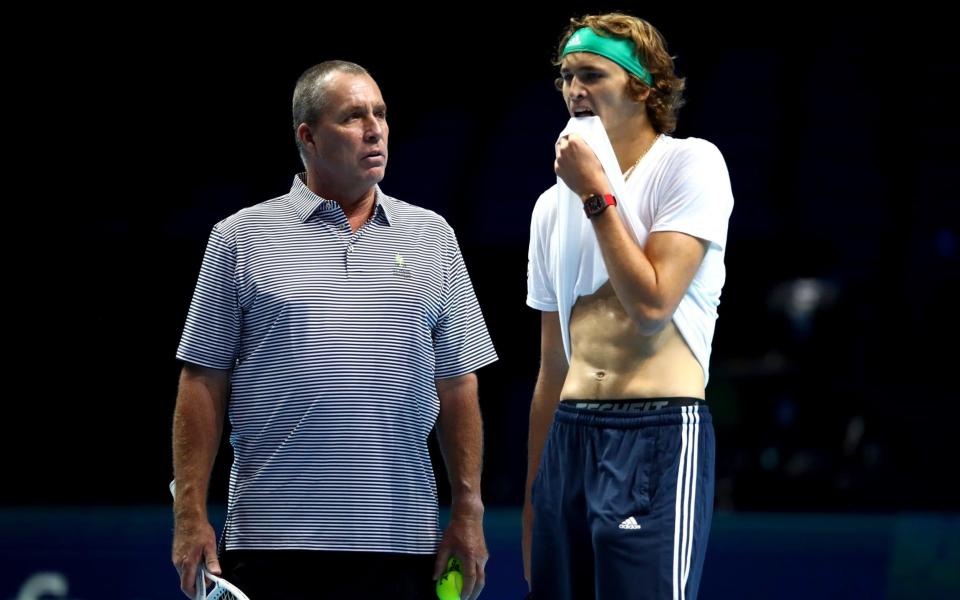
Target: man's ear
(307, 141)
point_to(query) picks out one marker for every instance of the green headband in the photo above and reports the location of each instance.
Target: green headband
(619, 50)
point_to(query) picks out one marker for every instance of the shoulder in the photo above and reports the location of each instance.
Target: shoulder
(692, 161)
(253, 217)
(418, 220)
(687, 150)
(545, 209)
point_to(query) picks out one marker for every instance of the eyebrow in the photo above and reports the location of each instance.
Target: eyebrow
(363, 107)
(583, 67)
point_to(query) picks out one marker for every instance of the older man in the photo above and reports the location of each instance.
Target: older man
(335, 325)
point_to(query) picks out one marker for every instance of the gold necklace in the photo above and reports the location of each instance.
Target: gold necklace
(629, 172)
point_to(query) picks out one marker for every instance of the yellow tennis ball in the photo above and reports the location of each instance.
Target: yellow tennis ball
(451, 582)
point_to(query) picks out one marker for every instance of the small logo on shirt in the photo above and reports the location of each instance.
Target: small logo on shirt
(630, 523)
(400, 267)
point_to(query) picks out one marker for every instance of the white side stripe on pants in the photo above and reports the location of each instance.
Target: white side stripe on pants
(686, 500)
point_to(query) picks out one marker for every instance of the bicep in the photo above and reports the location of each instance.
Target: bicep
(205, 381)
(675, 258)
(448, 386)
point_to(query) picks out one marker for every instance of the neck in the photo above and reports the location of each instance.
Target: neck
(356, 202)
(632, 145)
(361, 208)
(632, 140)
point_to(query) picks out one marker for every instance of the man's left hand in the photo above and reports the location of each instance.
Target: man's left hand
(464, 539)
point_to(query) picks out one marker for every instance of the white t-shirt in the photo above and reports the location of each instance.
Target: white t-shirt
(680, 185)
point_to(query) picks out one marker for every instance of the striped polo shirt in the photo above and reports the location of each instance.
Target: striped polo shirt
(335, 339)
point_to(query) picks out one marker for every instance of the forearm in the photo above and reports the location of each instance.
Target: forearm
(633, 276)
(460, 434)
(197, 428)
(546, 396)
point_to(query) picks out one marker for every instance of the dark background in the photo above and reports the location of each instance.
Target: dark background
(834, 357)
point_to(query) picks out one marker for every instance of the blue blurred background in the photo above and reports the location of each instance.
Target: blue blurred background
(832, 378)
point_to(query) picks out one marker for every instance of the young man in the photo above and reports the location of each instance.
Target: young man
(626, 263)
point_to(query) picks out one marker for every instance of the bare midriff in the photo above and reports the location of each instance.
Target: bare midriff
(612, 359)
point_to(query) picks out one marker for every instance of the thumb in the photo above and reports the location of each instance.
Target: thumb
(213, 564)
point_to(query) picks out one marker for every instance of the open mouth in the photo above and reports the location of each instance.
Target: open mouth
(583, 112)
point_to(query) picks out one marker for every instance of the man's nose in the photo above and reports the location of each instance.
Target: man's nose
(374, 129)
(577, 90)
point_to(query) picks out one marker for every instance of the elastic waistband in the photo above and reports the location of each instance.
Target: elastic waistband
(633, 404)
(633, 412)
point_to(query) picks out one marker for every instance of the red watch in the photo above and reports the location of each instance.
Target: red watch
(597, 203)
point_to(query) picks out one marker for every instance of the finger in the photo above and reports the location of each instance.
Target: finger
(440, 565)
(188, 576)
(469, 579)
(481, 581)
(213, 564)
(560, 147)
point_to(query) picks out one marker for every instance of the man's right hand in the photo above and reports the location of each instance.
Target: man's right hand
(193, 540)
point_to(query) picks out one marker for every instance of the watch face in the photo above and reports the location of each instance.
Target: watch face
(595, 204)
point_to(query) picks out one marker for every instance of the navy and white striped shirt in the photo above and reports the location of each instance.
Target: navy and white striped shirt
(335, 339)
